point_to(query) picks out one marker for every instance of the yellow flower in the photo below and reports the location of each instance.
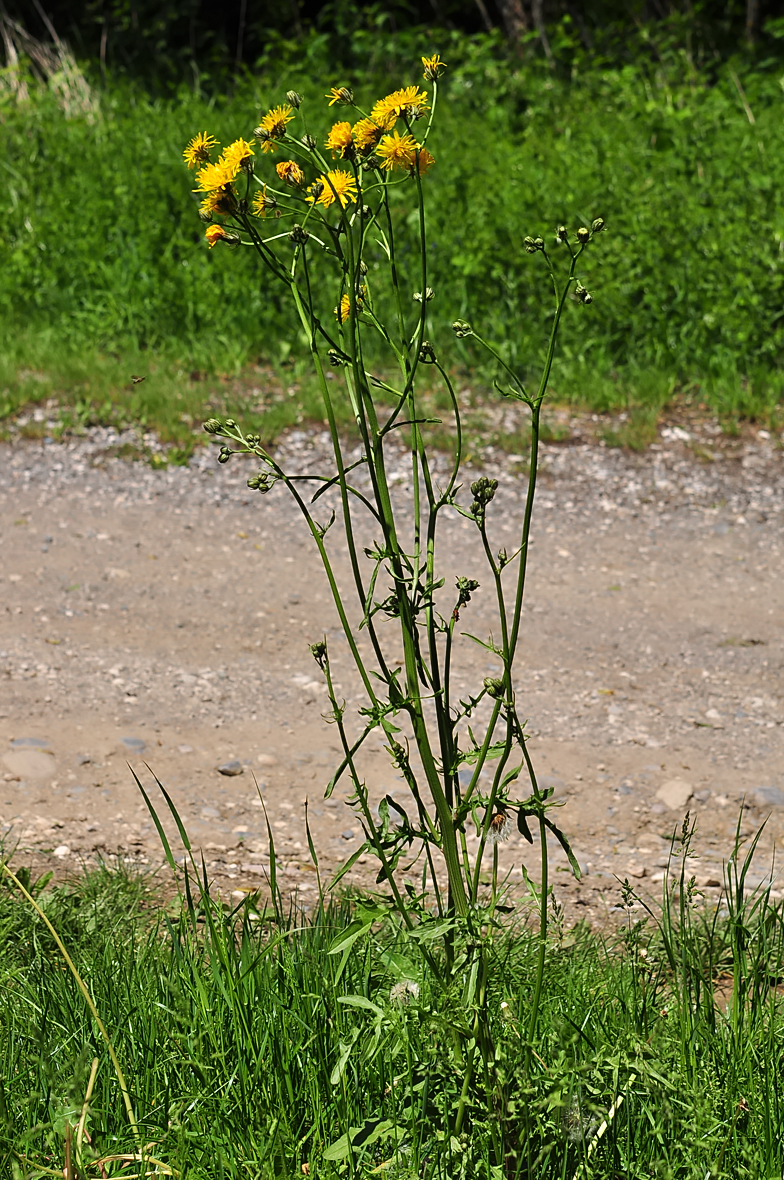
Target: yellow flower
(273, 126)
(213, 176)
(366, 134)
(340, 95)
(234, 156)
(410, 99)
(261, 202)
(343, 311)
(341, 141)
(290, 172)
(337, 183)
(215, 233)
(434, 67)
(396, 151)
(198, 150)
(423, 162)
(220, 200)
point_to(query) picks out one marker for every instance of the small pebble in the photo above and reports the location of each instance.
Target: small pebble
(348, 834)
(231, 768)
(184, 749)
(30, 743)
(61, 851)
(134, 745)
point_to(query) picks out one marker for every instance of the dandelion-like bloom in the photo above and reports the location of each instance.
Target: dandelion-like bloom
(396, 151)
(422, 162)
(341, 141)
(220, 200)
(261, 202)
(388, 110)
(273, 126)
(366, 134)
(337, 184)
(234, 156)
(198, 150)
(404, 992)
(340, 95)
(433, 67)
(343, 311)
(500, 828)
(216, 233)
(213, 176)
(290, 172)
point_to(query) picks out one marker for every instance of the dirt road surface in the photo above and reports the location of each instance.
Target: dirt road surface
(161, 618)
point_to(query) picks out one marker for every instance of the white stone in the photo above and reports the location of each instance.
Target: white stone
(61, 851)
(675, 793)
(30, 764)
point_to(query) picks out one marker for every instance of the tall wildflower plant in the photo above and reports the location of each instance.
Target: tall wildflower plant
(292, 196)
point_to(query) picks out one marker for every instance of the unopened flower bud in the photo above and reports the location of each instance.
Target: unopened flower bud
(363, 268)
(561, 233)
(261, 134)
(370, 163)
(539, 243)
(310, 142)
(298, 235)
(259, 483)
(494, 686)
(583, 295)
(343, 96)
(427, 353)
(598, 225)
(205, 216)
(336, 359)
(483, 489)
(462, 328)
(293, 98)
(213, 426)
(224, 455)
(583, 234)
(319, 652)
(231, 423)
(429, 294)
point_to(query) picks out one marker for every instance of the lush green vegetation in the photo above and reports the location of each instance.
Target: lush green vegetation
(250, 1050)
(105, 270)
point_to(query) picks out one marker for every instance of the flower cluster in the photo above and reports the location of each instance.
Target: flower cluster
(374, 143)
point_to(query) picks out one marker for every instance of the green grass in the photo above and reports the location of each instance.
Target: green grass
(105, 273)
(249, 1050)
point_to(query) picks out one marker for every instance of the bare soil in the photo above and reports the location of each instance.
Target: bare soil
(161, 618)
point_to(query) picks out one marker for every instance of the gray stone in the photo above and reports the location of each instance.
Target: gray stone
(83, 759)
(675, 793)
(30, 764)
(231, 768)
(210, 813)
(134, 745)
(768, 797)
(348, 834)
(31, 743)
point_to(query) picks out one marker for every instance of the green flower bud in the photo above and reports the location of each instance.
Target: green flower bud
(298, 235)
(310, 142)
(427, 353)
(336, 359)
(294, 99)
(429, 294)
(213, 426)
(462, 328)
(483, 489)
(231, 423)
(539, 243)
(583, 235)
(597, 225)
(583, 295)
(224, 455)
(465, 588)
(205, 216)
(530, 247)
(561, 234)
(494, 686)
(319, 652)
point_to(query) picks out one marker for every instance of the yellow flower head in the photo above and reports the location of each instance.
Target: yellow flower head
(198, 150)
(343, 311)
(396, 151)
(366, 134)
(261, 202)
(336, 184)
(273, 126)
(340, 95)
(234, 156)
(220, 200)
(290, 172)
(213, 176)
(215, 233)
(409, 100)
(434, 67)
(422, 163)
(341, 141)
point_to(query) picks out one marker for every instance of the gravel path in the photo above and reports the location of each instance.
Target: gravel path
(162, 617)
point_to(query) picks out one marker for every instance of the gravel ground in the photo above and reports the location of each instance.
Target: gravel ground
(161, 618)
